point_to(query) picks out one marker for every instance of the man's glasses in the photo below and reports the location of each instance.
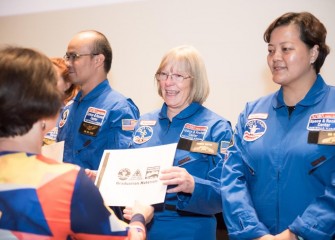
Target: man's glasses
(162, 76)
(74, 56)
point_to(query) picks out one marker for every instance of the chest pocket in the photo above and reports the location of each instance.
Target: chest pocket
(197, 164)
(322, 163)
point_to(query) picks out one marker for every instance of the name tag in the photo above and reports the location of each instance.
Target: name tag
(323, 138)
(205, 147)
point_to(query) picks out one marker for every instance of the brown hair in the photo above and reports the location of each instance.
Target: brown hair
(312, 32)
(28, 90)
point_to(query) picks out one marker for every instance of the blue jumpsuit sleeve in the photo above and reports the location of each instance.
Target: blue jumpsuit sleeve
(208, 189)
(88, 214)
(318, 220)
(238, 211)
(119, 138)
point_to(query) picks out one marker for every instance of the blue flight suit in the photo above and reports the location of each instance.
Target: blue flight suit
(187, 216)
(100, 120)
(278, 175)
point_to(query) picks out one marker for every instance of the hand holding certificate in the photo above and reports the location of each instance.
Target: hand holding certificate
(126, 175)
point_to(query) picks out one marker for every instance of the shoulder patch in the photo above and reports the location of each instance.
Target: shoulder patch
(143, 134)
(64, 117)
(254, 129)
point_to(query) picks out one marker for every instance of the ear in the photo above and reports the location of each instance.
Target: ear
(314, 53)
(99, 59)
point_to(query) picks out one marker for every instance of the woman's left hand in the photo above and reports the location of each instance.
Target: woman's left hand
(286, 235)
(177, 176)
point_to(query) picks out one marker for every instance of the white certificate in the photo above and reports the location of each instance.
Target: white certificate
(54, 151)
(126, 175)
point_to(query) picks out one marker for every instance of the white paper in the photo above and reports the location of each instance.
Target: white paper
(54, 151)
(126, 175)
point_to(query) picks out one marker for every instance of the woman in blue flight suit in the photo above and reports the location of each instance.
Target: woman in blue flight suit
(193, 195)
(279, 178)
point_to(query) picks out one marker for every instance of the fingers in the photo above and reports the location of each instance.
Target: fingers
(92, 174)
(127, 213)
(180, 177)
(146, 210)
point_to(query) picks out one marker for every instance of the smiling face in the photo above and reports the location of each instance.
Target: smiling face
(176, 94)
(289, 58)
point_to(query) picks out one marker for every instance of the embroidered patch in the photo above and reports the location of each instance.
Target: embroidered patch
(95, 116)
(258, 116)
(52, 134)
(254, 129)
(64, 117)
(321, 122)
(148, 122)
(224, 147)
(193, 132)
(128, 124)
(143, 134)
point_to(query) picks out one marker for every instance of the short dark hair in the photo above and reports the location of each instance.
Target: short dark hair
(28, 90)
(102, 45)
(312, 32)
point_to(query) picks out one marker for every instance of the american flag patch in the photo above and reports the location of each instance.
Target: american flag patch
(128, 124)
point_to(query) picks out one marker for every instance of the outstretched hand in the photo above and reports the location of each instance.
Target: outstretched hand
(146, 210)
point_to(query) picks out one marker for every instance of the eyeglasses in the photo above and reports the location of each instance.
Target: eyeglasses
(162, 76)
(74, 56)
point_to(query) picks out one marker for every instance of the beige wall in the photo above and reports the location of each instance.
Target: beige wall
(227, 33)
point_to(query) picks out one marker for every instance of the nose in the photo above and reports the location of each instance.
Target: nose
(68, 63)
(277, 55)
(169, 81)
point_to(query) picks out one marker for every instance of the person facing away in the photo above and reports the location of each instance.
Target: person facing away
(279, 178)
(39, 197)
(99, 117)
(68, 90)
(193, 194)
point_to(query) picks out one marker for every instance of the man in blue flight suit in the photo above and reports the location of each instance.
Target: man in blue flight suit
(99, 117)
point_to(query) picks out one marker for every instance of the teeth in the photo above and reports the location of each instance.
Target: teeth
(171, 92)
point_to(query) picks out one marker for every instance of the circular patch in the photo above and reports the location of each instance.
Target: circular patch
(254, 129)
(65, 114)
(143, 134)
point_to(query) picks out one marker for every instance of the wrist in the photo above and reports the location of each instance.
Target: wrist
(138, 217)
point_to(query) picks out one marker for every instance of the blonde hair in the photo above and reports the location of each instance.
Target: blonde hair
(189, 60)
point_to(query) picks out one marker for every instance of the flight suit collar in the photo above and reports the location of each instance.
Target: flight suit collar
(314, 95)
(95, 93)
(187, 112)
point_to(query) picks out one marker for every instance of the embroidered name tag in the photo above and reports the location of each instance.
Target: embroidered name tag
(324, 138)
(205, 147)
(89, 129)
(258, 116)
(148, 122)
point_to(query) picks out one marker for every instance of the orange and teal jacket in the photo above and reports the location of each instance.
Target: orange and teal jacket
(43, 199)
